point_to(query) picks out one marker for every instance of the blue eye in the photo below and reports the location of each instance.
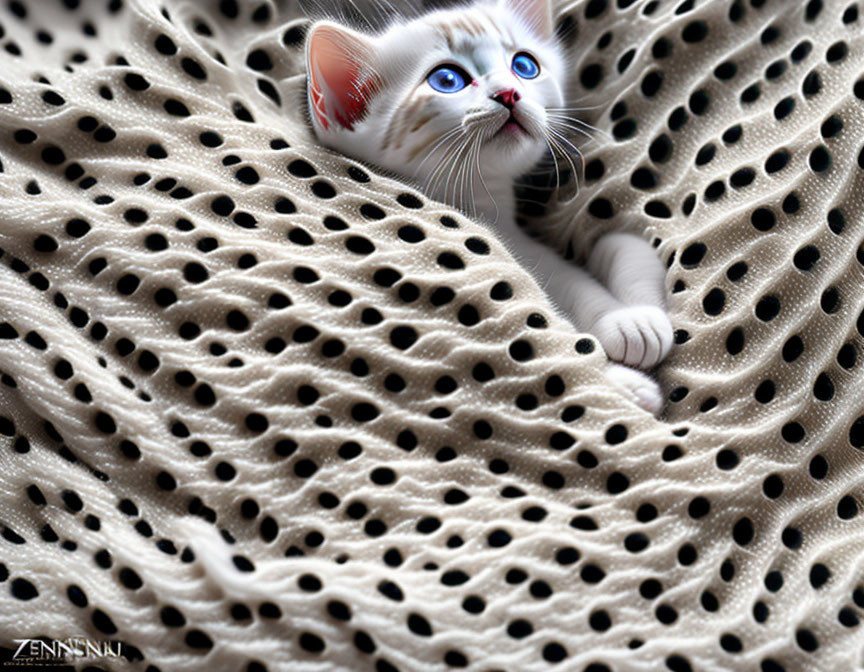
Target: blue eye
(525, 66)
(447, 79)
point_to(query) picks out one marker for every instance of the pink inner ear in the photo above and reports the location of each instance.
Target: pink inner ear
(337, 78)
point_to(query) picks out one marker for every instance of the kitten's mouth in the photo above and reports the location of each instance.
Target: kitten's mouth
(511, 127)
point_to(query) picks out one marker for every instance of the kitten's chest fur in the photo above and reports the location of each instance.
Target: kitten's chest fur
(488, 197)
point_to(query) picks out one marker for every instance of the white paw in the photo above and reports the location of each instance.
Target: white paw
(645, 389)
(636, 335)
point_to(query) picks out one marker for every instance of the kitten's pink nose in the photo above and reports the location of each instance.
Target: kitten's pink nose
(507, 97)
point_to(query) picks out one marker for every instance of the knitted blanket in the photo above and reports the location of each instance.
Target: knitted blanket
(262, 408)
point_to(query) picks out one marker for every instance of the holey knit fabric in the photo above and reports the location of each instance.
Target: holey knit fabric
(264, 408)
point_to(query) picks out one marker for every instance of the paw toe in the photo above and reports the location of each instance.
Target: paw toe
(645, 391)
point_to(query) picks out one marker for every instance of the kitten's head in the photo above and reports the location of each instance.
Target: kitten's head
(442, 97)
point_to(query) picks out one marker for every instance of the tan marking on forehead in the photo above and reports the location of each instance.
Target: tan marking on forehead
(474, 26)
(504, 27)
(470, 25)
(508, 37)
(445, 30)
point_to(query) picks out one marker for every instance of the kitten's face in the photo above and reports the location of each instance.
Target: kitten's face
(442, 99)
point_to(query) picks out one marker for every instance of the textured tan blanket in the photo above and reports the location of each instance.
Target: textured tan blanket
(262, 408)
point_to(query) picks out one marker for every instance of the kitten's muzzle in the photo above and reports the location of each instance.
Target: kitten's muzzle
(508, 98)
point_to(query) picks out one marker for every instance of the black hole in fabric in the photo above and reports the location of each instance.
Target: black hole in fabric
(193, 68)
(812, 84)
(699, 102)
(784, 108)
(775, 70)
(695, 31)
(726, 70)
(830, 300)
(501, 291)
(403, 337)
(847, 356)
(626, 58)
(658, 209)
(791, 204)
(294, 36)
(591, 76)
(751, 94)
(594, 8)
(805, 258)
(651, 83)
(777, 161)
(259, 60)
(172, 107)
(735, 341)
(831, 126)
(359, 245)
(370, 211)
(411, 234)
(801, 51)
(660, 149)
(742, 178)
(136, 82)
(450, 260)
(594, 170)
(714, 302)
(763, 219)
(715, 191)
(624, 129)
(477, 246)
(836, 52)
(323, 189)
(820, 159)
(847, 508)
(643, 178)
(600, 208)
(732, 134)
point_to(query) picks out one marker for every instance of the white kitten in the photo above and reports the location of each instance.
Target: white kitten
(463, 102)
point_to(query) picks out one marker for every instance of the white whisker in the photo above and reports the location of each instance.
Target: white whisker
(555, 160)
(440, 141)
(584, 129)
(442, 164)
(577, 109)
(454, 167)
(563, 138)
(486, 188)
(553, 142)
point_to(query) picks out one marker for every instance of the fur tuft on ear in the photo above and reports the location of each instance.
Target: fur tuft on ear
(537, 15)
(339, 65)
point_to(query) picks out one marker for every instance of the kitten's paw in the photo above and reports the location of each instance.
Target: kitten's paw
(645, 389)
(636, 335)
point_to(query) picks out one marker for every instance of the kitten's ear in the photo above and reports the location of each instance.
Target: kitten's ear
(537, 15)
(339, 63)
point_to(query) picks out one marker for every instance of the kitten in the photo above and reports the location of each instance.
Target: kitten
(462, 102)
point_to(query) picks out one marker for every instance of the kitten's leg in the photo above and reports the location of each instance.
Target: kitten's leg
(579, 295)
(637, 330)
(582, 298)
(630, 268)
